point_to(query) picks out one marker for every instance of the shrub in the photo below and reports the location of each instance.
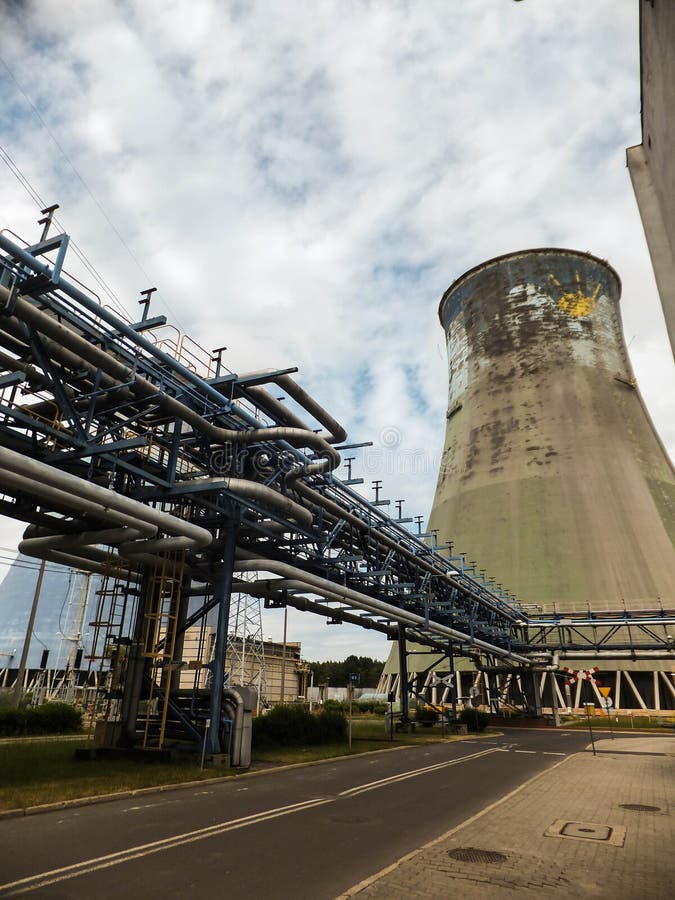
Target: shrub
(474, 719)
(426, 715)
(377, 707)
(332, 726)
(293, 726)
(48, 718)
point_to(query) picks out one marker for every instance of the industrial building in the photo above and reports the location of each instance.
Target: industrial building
(133, 454)
(650, 163)
(600, 533)
(551, 471)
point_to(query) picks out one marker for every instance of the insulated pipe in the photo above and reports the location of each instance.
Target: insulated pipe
(106, 315)
(306, 605)
(337, 433)
(42, 473)
(34, 377)
(265, 401)
(618, 654)
(336, 510)
(247, 564)
(69, 501)
(235, 699)
(81, 563)
(67, 337)
(261, 492)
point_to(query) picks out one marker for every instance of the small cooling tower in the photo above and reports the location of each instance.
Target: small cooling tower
(552, 475)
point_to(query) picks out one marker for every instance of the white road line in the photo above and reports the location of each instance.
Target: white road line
(44, 879)
(554, 753)
(87, 866)
(371, 786)
(524, 751)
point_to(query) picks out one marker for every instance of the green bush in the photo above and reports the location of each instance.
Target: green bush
(377, 707)
(426, 715)
(474, 719)
(293, 726)
(331, 727)
(49, 718)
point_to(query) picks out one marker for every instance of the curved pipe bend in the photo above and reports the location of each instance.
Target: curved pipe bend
(64, 336)
(282, 504)
(336, 432)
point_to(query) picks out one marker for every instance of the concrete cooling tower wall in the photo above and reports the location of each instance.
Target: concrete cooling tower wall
(552, 475)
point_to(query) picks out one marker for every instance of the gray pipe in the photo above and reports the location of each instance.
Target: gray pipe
(304, 604)
(66, 337)
(336, 432)
(337, 511)
(257, 564)
(41, 473)
(266, 495)
(235, 698)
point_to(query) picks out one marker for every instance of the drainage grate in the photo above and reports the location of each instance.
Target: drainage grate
(640, 807)
(474, 855)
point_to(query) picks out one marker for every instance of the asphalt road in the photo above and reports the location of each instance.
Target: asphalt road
(307, 833)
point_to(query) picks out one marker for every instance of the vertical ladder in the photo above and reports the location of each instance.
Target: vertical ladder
(159, 642)
(111, 622)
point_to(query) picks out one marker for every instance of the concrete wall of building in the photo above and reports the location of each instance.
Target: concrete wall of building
(651, 163)
(244, 667)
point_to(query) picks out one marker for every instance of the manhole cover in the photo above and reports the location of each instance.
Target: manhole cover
(587, 830)
(473, 855)
(640, 807)
(614, 835)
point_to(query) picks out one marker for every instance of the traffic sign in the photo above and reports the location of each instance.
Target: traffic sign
(604, 691)
(607, 703)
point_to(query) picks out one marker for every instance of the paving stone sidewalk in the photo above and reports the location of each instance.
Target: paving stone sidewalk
(514, 848)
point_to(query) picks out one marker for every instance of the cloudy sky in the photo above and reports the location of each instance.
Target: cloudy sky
(302, 181)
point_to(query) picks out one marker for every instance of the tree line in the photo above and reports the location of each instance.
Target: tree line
(337, 674)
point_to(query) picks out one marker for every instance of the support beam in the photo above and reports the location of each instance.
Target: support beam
(403, 669)
(222, 592)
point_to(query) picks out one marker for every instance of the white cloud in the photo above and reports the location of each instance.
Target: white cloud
(302, 182)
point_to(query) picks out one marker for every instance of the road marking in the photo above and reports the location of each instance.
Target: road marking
(371, 786)
(372, 879)
(554, 753)
(524, 751)
(87, 866)
(145, 806)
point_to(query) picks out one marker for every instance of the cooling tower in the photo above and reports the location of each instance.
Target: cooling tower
(552, 475)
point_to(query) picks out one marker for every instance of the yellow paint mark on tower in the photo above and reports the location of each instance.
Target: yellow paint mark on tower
(576, 303)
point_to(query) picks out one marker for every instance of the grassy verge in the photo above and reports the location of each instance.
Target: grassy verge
(623, 723)
(46, 771)
(367, 734)
(39, 772)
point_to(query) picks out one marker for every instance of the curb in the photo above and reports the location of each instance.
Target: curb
(372, 879)
(180, 785)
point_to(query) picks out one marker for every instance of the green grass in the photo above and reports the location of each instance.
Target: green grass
(32, 773)
(46, 771)
(367, 734)
(624, 723)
